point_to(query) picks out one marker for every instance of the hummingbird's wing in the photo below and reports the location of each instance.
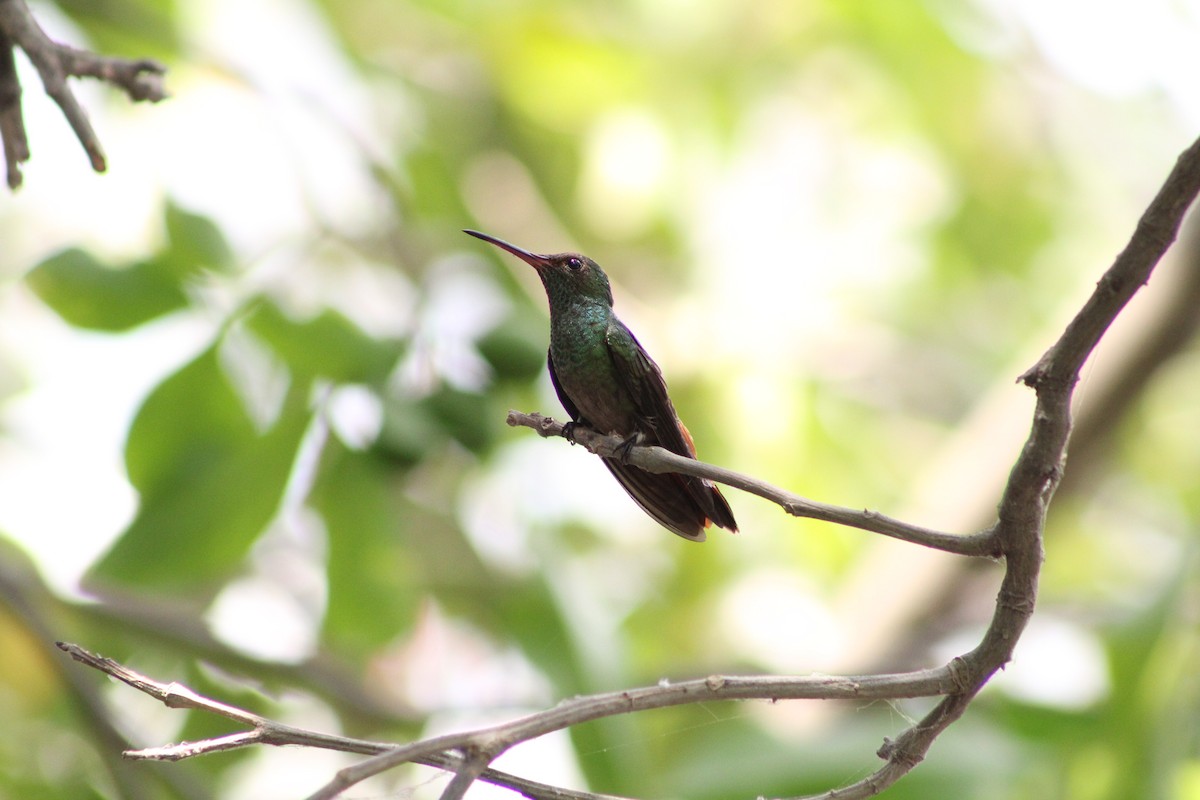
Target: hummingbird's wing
(663, 497)
(689, 502)
(642, 380)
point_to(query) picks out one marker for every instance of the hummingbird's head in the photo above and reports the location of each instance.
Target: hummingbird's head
(566, 276)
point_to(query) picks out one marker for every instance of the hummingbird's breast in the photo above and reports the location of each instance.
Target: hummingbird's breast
(586, 372)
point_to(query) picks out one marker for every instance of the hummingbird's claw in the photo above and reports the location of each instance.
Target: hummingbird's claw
(627, 446)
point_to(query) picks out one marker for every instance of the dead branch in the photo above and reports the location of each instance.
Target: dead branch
(55, 62)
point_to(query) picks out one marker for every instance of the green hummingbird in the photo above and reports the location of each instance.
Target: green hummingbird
(607, 382)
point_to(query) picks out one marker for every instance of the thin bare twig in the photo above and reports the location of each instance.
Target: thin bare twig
(12, 122)
(181, 626)
(25, 600)
(267, 731)
(141, 79)
(471, 768)
(658, 460)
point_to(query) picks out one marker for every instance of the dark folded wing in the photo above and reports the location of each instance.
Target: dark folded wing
(671, 493)
(566, 401)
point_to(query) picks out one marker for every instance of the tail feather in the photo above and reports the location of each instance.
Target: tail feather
(683, 504)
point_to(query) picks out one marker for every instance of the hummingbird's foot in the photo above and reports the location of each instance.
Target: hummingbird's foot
(626, 447)
(568, 431)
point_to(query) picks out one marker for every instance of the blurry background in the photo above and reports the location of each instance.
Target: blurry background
(253, 385)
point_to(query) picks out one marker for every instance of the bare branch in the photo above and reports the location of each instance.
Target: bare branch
(1036, 474)
(12, 123)
(176, 695)
(266, 731)
(494, 740)
(55, 63)
(471, 768)
(656, 459)
(180, 625)
(28, 602)
(1156, 230)
(497, 739)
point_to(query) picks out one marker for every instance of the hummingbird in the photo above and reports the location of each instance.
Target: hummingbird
(607, 382)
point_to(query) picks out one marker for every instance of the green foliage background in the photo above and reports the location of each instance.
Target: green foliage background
(444, 566)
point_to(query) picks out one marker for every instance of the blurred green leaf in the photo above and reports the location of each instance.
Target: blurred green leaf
(470, 418)
(195, 411)
(374, 583)
(328, 345)
(409, 431)
(208, 481)
(195, 243)
(130, 28)
(516, 348)
(434, 192)
(90, 294)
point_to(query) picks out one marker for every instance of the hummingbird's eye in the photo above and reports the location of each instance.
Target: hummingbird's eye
(574, 264)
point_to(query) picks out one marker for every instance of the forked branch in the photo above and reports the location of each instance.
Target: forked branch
(141, 79)
(440, 751)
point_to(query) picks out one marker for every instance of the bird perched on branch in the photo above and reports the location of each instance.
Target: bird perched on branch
(606, 381)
